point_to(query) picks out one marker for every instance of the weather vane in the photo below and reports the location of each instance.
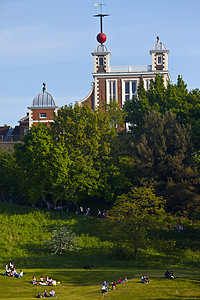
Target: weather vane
(101, 37)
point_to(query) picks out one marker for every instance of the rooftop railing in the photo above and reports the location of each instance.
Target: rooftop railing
(129, 69)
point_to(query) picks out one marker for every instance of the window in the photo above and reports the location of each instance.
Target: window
(130, 89)
(101, 61)
(43, 115)
(25, 130)
(159, 60)
(111, 90)
(147, 84)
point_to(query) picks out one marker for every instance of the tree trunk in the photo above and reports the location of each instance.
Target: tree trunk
(136, 253)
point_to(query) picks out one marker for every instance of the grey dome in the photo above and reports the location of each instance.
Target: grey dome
(159, 46)
(44, 99)
(100, 49)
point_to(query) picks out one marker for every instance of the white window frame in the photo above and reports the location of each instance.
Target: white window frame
(159, 63)
(109, 93)
(131, 94)
(147, 84)
(43, 117)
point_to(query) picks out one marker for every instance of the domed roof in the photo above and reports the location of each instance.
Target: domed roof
(159, 46)
(44, 99)
(100, 48)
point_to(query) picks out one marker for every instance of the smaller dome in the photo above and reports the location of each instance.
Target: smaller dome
(100, 48)
(159, 46)
(44, 99)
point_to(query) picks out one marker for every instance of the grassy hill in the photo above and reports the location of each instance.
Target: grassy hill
(25, 230)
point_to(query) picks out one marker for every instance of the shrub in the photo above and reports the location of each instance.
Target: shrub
(63, 240)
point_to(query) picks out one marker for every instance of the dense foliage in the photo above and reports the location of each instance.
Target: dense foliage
(133, 214)
(86, 158)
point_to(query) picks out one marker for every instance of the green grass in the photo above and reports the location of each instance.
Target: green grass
(24, 231)
(23, 235)
(81, 284)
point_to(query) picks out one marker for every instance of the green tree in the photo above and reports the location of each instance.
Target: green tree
(133, 215)
(116, 114)
(163, 152)
(43, 164)
(176, 98)
(88, 136)
(9, 175)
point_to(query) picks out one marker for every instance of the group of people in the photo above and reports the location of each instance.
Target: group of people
(106, 287)
(100, 214)
(178, 228)
(145, 279)
(45, 294)
(47, 281)
(103, 214)
(169, 275)
(12, 272)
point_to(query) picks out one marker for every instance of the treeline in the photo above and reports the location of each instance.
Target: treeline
(87, 156)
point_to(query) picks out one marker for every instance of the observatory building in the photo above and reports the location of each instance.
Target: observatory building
(120, 83)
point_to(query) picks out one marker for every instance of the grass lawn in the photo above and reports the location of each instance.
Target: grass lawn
(81, 284)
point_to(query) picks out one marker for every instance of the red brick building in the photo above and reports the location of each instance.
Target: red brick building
(121, 83)
(41, 111)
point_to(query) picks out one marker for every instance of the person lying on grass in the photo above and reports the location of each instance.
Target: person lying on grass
(119, 281)
(124, 280)
(20, 274)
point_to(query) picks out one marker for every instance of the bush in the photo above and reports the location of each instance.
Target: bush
(63, 240)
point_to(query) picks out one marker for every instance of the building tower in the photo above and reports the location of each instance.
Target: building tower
(120, 83)
(42, 109)
(159, 55)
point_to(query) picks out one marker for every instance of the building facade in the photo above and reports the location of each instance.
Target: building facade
(41, 111)
(121, 83)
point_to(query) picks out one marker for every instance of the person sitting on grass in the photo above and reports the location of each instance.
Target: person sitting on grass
(7, 271)
(145, 279)
(42, 281)
(20, 274)
(53, 282)
(11, 265)
(113, 285)
(104, 288)
(167, 274)
(52, 293)
(171, 275)
(45, 294)
(13, 273)
(34, 281)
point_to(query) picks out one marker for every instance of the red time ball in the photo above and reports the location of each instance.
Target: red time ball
(101, 38)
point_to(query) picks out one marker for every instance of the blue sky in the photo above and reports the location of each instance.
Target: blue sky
(51, 41)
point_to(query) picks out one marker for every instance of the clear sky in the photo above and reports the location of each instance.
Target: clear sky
(51, 41)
